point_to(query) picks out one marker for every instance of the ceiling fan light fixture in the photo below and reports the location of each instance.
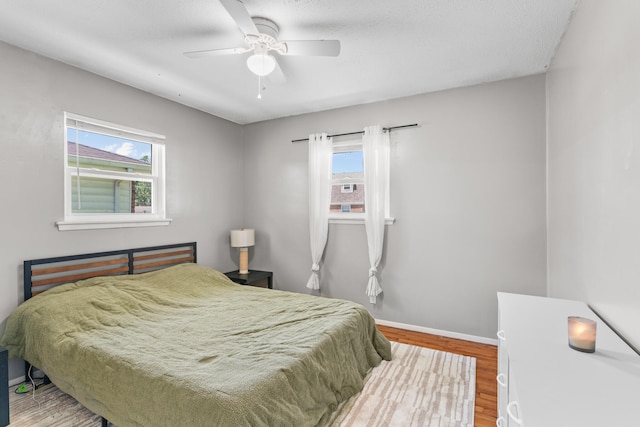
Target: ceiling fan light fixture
(261, 64)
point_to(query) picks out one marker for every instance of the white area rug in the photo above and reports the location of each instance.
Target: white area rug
(49, 408)
(419, 387)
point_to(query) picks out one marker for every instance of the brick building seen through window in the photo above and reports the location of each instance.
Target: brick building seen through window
(348, 198)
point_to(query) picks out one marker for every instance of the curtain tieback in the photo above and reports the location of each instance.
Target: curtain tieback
(372, 271)
(315, 267)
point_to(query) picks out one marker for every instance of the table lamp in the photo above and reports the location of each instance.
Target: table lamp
(243, 238)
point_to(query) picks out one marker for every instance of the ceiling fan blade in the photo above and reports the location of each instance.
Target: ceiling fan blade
(216, 52)
(239, 13)
(313, 47)
(277, 76)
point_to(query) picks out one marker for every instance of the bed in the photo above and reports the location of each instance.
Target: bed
(169, 342)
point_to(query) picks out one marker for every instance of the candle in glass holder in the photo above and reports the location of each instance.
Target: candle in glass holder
(582, 334)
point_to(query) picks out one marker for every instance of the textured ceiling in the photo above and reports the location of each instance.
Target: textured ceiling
(390, 48)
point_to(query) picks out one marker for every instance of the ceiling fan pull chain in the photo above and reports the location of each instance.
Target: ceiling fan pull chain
(259, 88)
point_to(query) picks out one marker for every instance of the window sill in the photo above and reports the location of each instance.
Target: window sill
(387, 221)
(103, 224)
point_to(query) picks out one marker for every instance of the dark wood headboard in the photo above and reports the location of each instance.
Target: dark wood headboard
(45, 273)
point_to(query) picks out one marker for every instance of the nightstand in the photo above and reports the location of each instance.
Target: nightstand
(261, 279)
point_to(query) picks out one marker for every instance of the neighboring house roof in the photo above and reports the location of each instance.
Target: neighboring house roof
(349, 176)
(96, 153)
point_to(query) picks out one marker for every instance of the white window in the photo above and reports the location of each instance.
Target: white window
(114, 176)
(347, 186)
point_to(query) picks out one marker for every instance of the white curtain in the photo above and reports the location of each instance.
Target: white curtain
(375, 151)
(320, 156)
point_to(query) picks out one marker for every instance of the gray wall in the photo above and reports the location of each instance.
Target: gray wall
(594, 163)
(203, 152)
(468, 193)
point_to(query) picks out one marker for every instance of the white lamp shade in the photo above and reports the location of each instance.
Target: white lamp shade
(261, 64)
(243, 238)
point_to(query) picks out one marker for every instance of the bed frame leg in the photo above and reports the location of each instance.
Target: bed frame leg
(105, 423)
(27, 368)
(4, 383)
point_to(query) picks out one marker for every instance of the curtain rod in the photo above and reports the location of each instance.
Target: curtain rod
(389, 129)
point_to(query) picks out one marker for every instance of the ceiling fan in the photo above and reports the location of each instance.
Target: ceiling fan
(261, 38)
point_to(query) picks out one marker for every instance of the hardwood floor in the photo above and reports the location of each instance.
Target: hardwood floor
(486, 408)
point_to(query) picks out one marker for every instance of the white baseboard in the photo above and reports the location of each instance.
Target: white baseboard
(19, 380)
(16, 381)
(456, 335)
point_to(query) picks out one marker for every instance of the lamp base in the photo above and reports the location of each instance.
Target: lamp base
(244, 261)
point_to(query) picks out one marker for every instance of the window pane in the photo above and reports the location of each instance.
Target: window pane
(104, 195)
(347, 192)
(347, 162)
(97, 151)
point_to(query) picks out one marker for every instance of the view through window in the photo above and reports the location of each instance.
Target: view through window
(112, 171)
(347, 189)
(115, 173)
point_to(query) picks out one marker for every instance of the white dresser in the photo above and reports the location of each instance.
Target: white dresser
(544, 383)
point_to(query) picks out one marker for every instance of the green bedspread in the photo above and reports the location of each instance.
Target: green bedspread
(185, 346)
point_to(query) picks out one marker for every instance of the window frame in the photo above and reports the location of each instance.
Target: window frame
(83, 221)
